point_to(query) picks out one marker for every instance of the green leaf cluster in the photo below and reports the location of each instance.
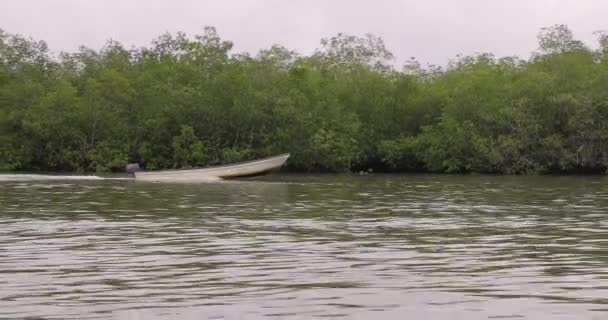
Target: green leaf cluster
(190, 101)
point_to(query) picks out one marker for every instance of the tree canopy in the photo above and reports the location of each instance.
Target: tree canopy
(191, 101)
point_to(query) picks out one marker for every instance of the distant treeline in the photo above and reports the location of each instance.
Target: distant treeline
(189, 101)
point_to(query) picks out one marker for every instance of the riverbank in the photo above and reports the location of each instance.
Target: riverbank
(192, 101)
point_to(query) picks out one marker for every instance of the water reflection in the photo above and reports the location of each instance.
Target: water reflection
(298, 247)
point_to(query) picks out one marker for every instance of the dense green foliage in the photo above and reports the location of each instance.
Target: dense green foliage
(190, 101)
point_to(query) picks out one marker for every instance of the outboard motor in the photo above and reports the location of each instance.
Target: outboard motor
(132, 168)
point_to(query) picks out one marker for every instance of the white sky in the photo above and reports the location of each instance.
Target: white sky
(433, 31)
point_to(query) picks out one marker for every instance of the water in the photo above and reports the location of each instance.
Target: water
(303, 247)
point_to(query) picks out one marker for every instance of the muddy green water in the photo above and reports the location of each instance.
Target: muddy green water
(304, 247)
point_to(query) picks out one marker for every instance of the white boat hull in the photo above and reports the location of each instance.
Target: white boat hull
(250, 168)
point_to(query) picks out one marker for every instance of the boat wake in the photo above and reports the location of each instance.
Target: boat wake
(50, 177)
(181, 180)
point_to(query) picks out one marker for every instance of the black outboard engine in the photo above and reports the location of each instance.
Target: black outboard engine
(132, 168)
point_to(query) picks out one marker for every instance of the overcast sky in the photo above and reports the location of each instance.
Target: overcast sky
(433, 31)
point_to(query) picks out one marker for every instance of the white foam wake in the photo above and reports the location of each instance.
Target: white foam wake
(37, 177)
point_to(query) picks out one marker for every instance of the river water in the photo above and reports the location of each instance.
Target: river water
(304, 247)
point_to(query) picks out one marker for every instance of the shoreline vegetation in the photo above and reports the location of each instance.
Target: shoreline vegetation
(190, 101)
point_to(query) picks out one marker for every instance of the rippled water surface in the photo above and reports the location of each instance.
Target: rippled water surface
(303, 247)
